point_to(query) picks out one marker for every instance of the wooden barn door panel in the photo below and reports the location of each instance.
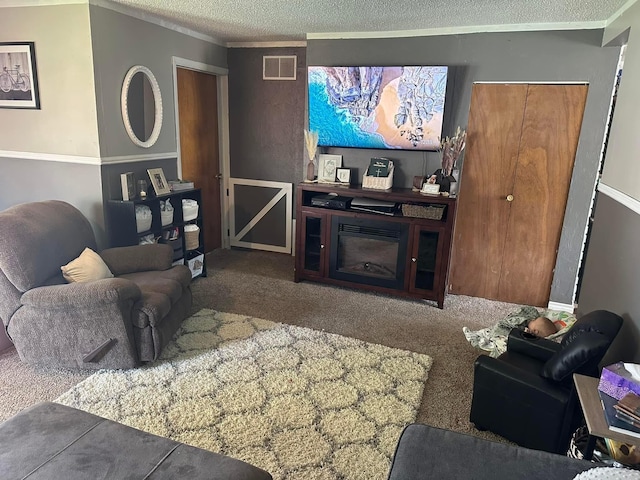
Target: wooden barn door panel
(199, 146)
(495, 123)
(550, 133)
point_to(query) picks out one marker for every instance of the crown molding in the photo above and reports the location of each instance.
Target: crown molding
(123, 9)
(430, 32)
(151, 18)
(294, 43)
(620, 12)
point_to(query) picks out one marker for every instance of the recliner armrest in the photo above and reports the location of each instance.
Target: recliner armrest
(81, 295)
(530, 345)
(138, 258)
(521, 383)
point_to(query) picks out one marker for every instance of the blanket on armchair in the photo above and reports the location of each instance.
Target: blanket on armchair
(494, 339)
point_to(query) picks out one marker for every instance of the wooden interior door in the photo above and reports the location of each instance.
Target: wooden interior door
(487, 175)
(199, 146)
(513, 192)
(548, 144)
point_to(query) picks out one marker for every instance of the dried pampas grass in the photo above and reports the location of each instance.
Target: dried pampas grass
(452, 149)
(311, 142)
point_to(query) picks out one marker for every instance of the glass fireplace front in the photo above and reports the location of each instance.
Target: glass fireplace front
(367, 251)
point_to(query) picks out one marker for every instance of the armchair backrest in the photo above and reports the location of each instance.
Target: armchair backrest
(36, 239)
(583, 346)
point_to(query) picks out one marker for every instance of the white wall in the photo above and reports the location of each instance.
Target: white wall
(66, 123)
(622, 166)
(612, 265)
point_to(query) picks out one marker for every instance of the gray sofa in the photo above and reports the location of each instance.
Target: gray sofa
(425, 452)
(51, 441)
(110, 323)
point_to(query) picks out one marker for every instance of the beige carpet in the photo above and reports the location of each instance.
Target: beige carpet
(260, 284)
(299, 403)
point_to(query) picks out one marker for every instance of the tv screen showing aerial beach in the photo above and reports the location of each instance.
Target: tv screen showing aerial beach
(377, 107)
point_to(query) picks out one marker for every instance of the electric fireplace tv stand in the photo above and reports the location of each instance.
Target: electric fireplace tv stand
(403, 253)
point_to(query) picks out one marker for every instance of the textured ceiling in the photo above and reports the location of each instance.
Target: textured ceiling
(289, 20)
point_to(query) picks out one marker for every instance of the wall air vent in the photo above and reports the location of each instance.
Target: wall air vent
(282, 67)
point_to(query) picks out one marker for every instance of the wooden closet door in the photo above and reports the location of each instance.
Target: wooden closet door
(550, 133)
(513, 191)
(488, 171)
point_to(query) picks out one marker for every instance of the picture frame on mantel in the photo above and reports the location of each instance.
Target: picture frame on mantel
(18, 76)
(343, 175)
(159, 182)
(327, 166)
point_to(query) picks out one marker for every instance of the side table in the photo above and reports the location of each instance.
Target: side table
(587, 388)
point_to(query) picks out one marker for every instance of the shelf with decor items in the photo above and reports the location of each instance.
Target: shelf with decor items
(401, 250)
(183, 230)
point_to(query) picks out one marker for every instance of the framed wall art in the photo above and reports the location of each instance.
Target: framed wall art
(18, 76)
(327, 165)
(158, 180)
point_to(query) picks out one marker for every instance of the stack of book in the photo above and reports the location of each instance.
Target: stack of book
(623, 416)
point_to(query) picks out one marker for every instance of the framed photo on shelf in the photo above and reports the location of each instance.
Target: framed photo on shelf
(343, 175)
(18, 76)
(158, 180)
(128, 188)
(327, 166)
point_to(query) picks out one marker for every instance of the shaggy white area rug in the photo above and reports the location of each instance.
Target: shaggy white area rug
(299, 403)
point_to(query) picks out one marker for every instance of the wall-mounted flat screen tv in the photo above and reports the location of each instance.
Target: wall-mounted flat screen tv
(377, 107)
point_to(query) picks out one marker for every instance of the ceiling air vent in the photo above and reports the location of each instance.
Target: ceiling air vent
(281, 67)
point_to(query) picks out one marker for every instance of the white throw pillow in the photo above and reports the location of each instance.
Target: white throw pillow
(608, 473)
(88, 267)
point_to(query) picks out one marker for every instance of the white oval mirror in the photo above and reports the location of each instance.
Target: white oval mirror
(141, 104)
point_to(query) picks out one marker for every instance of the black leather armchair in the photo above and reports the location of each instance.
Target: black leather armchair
(527, 395)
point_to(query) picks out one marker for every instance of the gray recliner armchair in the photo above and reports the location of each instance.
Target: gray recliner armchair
(115, 322)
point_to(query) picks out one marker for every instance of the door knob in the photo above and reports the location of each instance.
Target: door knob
(218, 176)
(414, 260)
(509, 198)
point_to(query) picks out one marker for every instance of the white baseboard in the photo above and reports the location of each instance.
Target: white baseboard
(564, 307)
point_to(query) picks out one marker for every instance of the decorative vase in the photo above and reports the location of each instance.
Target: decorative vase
(311, 171)
(444, 181)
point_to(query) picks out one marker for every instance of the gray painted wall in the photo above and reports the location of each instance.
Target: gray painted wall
(120, 42)
(622, 170)
(560, 56)
(111, 186)
(71, 42)
(612, 268)
(266, 117)
(24, 181)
